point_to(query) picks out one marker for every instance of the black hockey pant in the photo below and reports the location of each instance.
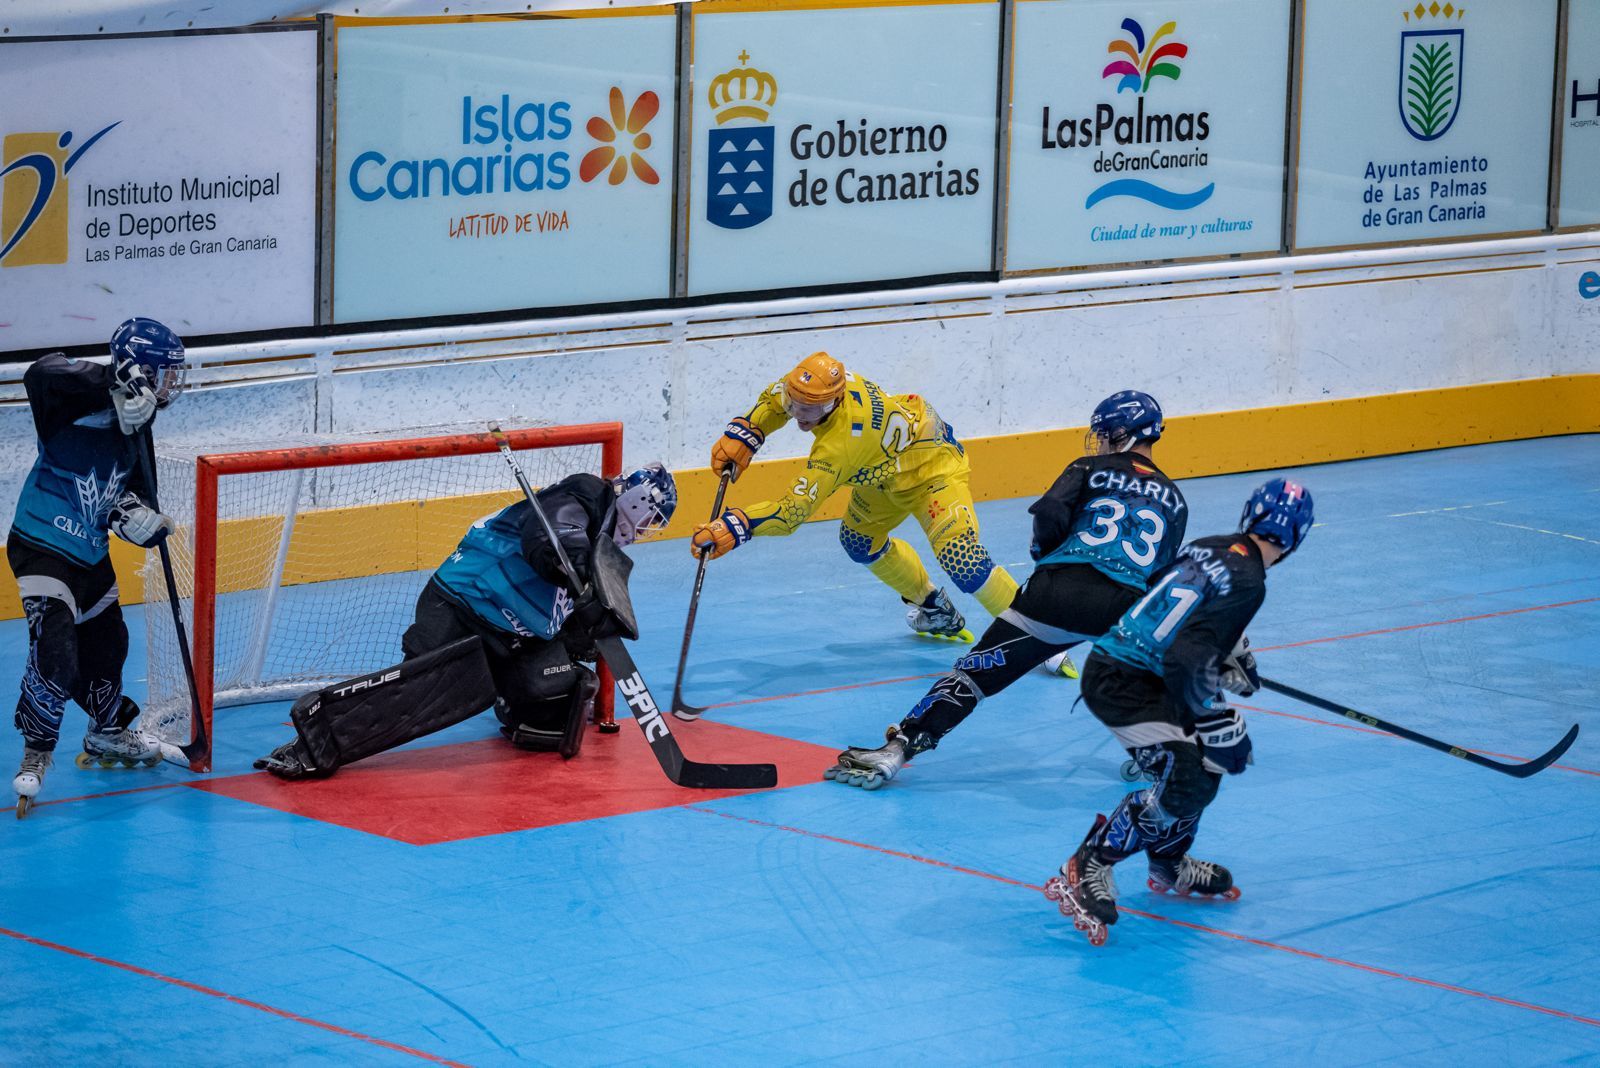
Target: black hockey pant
(1058, 607)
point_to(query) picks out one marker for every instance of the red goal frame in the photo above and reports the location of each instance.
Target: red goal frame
(210, 468)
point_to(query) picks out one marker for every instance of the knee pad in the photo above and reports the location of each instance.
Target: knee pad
(966, 561)
(53, 643)
(858, 547)
(1187, 787)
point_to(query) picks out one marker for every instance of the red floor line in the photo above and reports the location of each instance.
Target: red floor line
(1386, 734)
(1436, 623)
(1204, 929)
(110, 793)
(210, 992)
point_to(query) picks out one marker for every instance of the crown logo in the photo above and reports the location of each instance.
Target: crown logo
(1435, 10)
(743, 93)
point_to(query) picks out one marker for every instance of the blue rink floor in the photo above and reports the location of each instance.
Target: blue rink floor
(1399, 906)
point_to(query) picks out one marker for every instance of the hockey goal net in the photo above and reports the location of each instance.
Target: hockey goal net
(299, 565)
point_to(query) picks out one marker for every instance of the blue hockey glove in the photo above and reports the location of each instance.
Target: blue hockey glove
(1224, 744)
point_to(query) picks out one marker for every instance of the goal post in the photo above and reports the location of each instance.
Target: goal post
(303, 562)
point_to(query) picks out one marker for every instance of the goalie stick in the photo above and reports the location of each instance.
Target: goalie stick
(1516, 771)
(681, 708)
(197, 754)
(679, 768)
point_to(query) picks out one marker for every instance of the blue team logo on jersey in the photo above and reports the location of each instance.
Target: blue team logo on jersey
(739, 154)
(95, 498)
(1430, 74)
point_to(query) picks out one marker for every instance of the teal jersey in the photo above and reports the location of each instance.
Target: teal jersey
(1118, 514)
(489, 575)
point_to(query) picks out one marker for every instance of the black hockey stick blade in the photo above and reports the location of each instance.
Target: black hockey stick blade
(681, 708)
(679, 768)
(1516, 771)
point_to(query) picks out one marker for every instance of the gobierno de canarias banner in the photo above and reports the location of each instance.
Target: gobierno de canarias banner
(167, 176)
(1580, 134)
(499, 165)
(841, 143)
(1146, 131)
(1423, 120)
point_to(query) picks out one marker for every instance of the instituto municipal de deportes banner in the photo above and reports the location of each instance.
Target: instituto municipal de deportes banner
(841, 144)
(1424, 120)
(502, 165)
(167, 176)
(1146, 131)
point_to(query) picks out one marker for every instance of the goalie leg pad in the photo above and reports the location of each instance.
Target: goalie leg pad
(552, 724)
(375, 713)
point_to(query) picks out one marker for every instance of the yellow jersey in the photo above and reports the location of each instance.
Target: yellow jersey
(872, 440)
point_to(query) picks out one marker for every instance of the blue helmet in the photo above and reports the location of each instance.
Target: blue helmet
(1122, 420)
(1280, 512)
(152, 346)
(646, 500)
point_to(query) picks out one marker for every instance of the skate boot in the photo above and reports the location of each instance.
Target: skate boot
(1086, 889)
(30, 777)
(1185, 875)
(1061, 664)
(938, 617)
(871, 768)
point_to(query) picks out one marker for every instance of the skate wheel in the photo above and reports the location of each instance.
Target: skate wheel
(830, 774)
(1159, 888)
(150, 762)
(872, 782)
(1055, 888)
(84, 761)
(1097, 936)
(1230, 894)
(23, 805)
(1131, 771)
(1082, 924)
(610, 728)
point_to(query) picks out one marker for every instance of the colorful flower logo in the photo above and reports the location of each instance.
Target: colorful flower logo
(612, 153)
(1144, 64)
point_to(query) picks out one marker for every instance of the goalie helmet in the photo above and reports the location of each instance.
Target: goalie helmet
(1279, 511)
(646, 500)
(150, 345)
(812, 389)
(1121, 421)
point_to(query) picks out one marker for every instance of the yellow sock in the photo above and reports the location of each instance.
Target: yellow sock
(997, 591)
(900, 568)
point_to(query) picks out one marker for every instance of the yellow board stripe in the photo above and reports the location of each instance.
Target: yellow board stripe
(422, 533)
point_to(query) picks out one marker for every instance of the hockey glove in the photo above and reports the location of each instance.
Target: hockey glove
(134, 521)
(722, 536)
(1224, 745)
(736, 447)
(1239, 670)
(132, 397)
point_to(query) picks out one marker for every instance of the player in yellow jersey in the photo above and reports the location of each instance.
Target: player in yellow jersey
(898, 458)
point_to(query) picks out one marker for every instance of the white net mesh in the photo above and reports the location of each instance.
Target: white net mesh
(318, 569)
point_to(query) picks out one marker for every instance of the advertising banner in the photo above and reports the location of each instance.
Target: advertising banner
(1145, 131)
(1424, 121)
(501, 165)
(841, 144)
(172, 177)
(1580, 135)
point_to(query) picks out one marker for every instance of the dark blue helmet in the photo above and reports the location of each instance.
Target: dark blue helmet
(150, 345)
(1122, 420)
(646, 500)
(1280, 512)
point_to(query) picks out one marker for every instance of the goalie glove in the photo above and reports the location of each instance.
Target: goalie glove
(132, 397)
(1224, 743)
(722, 536)
(134, 521)
(736, 447)
(1239, 670)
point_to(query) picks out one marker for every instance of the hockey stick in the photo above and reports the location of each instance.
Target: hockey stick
(681, 708)
(199, 749)
(1516, 771)
(679, 768)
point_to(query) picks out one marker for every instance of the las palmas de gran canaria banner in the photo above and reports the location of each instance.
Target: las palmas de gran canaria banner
(1424, 120)
(172, 177)
(1146, 131)
(503, 165)
(841, 144)
(1580, 135)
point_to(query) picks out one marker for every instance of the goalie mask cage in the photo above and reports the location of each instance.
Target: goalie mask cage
(302, 564)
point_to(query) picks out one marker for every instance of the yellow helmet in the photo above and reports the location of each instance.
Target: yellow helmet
(818, 380)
